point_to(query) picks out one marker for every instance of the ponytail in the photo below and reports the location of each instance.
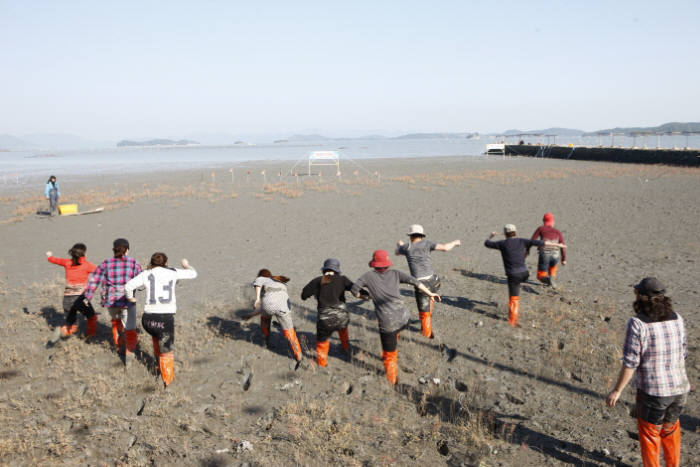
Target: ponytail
(77, 252)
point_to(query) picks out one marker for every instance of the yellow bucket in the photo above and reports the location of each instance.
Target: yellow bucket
(64, 209)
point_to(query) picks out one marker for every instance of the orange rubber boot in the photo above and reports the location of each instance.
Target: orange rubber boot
(513, 309)
(671, 443)
(166, 363)
(542, 276)
(649, 442)
(156, 347)
(132, 340)
(91, 329)
(66, 331)
(552, 271)
(426, 327)
(322, 352)
(291, 336)
(391, 365)
(265, 326)
(344, 339)
(117, 329)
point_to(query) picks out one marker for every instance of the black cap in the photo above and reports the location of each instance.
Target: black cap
(650, 286)
(121, 242)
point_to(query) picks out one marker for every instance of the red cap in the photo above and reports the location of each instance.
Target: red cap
(380, 259)
(548, 219)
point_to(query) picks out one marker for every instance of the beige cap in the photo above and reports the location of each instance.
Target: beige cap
(415, 229)
(508, 228)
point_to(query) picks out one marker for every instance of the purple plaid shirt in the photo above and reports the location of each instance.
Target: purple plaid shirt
(657, 351)
(112, 274)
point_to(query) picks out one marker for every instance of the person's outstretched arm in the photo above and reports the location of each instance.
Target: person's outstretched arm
(447, 246)
(188, 272)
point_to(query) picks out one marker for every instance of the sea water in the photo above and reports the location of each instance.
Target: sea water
(21, 167)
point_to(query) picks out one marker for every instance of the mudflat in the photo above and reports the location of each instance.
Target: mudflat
(480, 393)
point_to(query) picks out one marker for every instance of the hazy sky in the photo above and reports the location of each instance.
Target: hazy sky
(169, 69)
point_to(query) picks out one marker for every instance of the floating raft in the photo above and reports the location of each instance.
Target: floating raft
(682, 157)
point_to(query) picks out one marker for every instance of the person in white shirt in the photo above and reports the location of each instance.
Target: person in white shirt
(159, 310)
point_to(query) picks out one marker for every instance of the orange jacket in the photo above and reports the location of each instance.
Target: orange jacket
(76, 276)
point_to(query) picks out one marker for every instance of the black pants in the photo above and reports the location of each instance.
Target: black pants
(514, 281)
(72, 304)
(658, 410)
(162, 327)
(422, 300)
(390, 340)
(331, 319)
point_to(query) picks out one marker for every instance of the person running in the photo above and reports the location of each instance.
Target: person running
(272, 299)
(392, 315)
(513, 251)
(420, 263)
(52, 194)
(654, 352)
(549, 255)
(111, 275)
(329, 290)
(158, 318)
(77, 270)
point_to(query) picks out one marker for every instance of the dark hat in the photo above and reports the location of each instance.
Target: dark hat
(121, 242)
(650, 286)
(331, 264)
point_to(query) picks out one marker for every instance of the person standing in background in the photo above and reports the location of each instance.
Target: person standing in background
(52, 194)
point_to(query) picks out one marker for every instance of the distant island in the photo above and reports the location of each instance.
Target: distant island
(671, 127)
(155, 142)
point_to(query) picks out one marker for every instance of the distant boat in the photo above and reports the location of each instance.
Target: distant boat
(278, 141)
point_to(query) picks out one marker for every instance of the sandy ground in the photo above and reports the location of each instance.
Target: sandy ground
(529, 396)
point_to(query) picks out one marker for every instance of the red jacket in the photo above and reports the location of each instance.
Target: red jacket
(550, 234)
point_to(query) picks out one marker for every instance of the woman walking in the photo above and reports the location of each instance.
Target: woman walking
(654, 352)
(52, 194)
(77, 270)
(329, 290)
(272, 299)
(158, 319)
(392, 315)
(111, 275)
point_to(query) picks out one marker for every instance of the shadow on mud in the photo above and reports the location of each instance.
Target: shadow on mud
(500, 426)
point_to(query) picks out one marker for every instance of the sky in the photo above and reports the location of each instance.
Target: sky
(113, 70)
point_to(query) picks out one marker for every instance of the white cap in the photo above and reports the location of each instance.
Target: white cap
(508, 228)
(415, 229)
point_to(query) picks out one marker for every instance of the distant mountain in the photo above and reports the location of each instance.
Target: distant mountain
(155, 142)
(438, 136)
(12, 142)
(546, 131)
(693, 127)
